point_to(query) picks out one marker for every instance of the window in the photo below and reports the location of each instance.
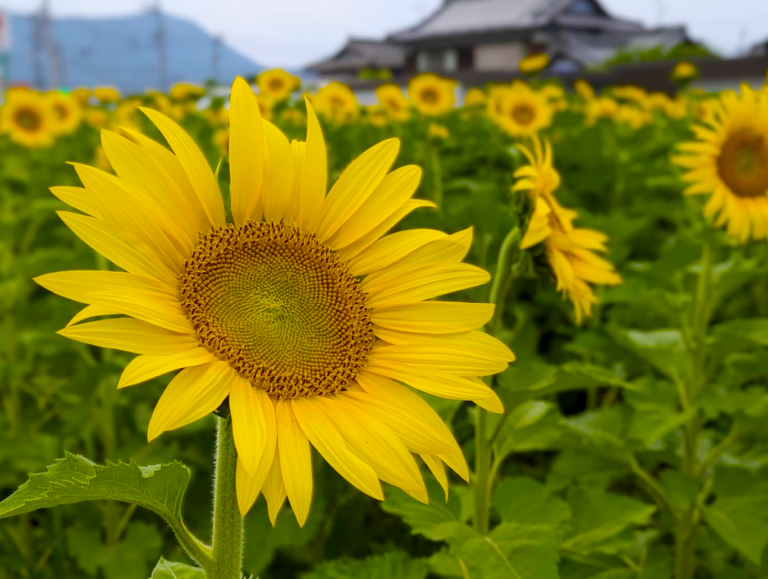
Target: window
(450, 60)
(582, 8)
(437, 60)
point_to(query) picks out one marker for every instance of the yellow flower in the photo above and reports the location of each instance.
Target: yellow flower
(127, 115)
(159, 102)
(475, 97)
(67, 113)
(100, 159)
(519, 110)
(276, 84)
(301, 311)
(437, 131)
(684, 71)
(631, 93)
(221, 140)
(217, 116)
(376, 115)
(391, 98)
(106, 94)
(97, 118)
(601, 108)
(265, 106)
(337, 103)
(729, 162)
(534, 63)
(184, 91)
(82, 95)
(634, 117)
(27, 117)
(584, 89)
(571, 252)
(294, 117)
(432, 95)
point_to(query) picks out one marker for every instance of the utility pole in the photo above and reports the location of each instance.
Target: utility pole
(216, 57)
(56, 79)
(37, 45)
(160, 44)
(5, 52)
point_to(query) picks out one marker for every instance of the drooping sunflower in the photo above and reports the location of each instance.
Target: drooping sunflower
(520, 110)
(301, 311)
(432, 95)
(394, 102)
(337, 103)
(571, 252)
(729, 162)
(106, 94)
(27, 118)
(67, 113)
(276, 84)
(534, 63)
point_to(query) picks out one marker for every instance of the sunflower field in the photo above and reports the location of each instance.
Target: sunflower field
(265, 265)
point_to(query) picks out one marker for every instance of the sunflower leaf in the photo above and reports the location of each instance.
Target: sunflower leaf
(170, 570)
(392, 565)
(75, 479)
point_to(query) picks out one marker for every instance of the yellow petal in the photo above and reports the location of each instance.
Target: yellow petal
(76, 285)
(435, 383)
(248, 423)
(435, 465)
(330, 444)
(131, 335)
(430, 357)
(119, 247)
(249, 487)
(457, 462)
(193, 393)
(274, 490)
(246, 152)
(91, 312)
(355, 185)
(373, 442)
(298, 151)
(146, 367)
(79, 198)
(314, 180)
(430, 282)
(295, 460)
(392, 248)
(278, 173)
(394, 190)
(195, 166)
(433, 317)
(152, 307)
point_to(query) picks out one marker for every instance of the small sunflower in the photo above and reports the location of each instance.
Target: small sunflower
(571, 252)
(106, 94)
(27, 117)
(293, 117)
(217, 116)
(475, 97)
(97, 118)
(376, 115)
(729, 162)
(520, 110)
(82, 95)
(276, 84)
(432, 95)
(438, 131)
(633, 117)
(265, 106)
(534, 63)
(184, 92)
(66, 111)
(337, 103)
(221, 140)
(301, 311)
(584, 89)
(600, 108)
(684, 72)
(394, 102)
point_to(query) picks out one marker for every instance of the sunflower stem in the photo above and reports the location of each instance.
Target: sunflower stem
(227, 549)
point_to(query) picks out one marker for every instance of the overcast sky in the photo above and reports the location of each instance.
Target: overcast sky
(292, 33)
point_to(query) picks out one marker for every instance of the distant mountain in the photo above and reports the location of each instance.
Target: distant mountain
(123, 52)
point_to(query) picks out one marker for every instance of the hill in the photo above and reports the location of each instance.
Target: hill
(123, 52)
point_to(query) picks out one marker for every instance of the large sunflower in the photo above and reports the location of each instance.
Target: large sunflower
(394, 102)
(571, 252)
(432, 95)
(276, 84)
(520, 110)
(729, 162)
(299, 310)
(337, 103)
(27, 118)
(66, 111)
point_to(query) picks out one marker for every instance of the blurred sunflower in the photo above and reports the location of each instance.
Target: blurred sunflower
(571, 252)
(97, 118)
(600, 108)
(432, 95)
(376, 115)
(631, 93)
(684, 72)
(584, 89)
(394, 102)
(184, 92)
(633, 117)
(27, 118)
(217, 116)
(67, 113)
(729, 162)
(106, 94)
(82, 95)
(337, 103)
(534, 63)
(293, 117)
(221, 140)
(300, 312)
(276, 84)
(475, 97)
(523, 111)
(437, 131)
(265, 106)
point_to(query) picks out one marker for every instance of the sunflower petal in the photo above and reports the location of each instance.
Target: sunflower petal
(295, 460)
(435, 465)
(433, 317)
(131, 335)
(146, 367)
(246, 152)
(79, 198)
(315, 176)
(274, 490)
(392, 248)
(277, 186)
(249, 487)
(248, 423)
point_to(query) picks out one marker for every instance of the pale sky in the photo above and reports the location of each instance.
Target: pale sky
(292, 33)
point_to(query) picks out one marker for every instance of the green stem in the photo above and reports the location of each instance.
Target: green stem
(227, 549)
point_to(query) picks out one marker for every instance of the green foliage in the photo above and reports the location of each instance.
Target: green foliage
(678, 52)
(170, 570)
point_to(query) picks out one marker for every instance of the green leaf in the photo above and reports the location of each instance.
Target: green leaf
(679, 488)
(75, 479)
(513, 551)
(534, 425)
(170, 570)
(427, 520)
(598, 516)
(393, 565)
(662, 349)
(656, 410)
(526, 501)
(754, 330)
(583, 469)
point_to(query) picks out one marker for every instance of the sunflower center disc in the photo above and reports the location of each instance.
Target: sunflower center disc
(28, 119)
(743, 164)
(429, 96)
(523, 114)
(279, 306)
